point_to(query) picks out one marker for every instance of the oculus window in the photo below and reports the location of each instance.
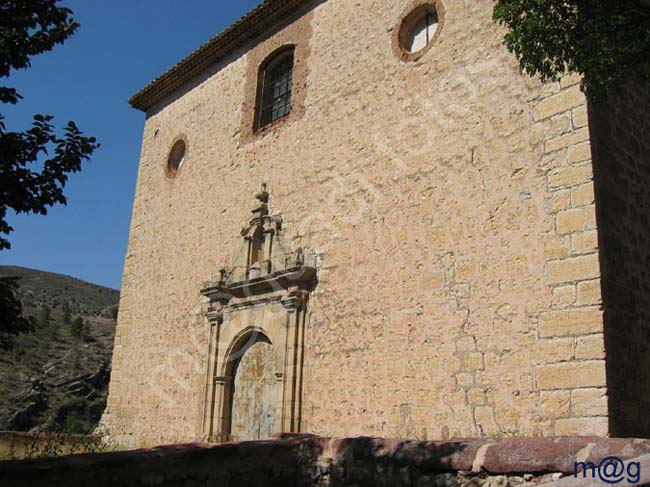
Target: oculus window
(176, 158)
(423, 31)
(418, 30)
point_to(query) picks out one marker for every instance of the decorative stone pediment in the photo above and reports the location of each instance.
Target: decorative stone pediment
(265, 261)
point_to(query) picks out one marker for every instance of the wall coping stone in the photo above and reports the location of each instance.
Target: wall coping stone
(506, 456)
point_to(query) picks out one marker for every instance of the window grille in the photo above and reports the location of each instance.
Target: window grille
(277, 81)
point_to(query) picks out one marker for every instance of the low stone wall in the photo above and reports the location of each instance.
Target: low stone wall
(19, 446)
(296, 461)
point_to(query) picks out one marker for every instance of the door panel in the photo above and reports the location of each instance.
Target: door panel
(253, 398)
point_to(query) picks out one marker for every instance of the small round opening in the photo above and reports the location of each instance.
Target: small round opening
(423, 32)
(419, 30)
(176, 158)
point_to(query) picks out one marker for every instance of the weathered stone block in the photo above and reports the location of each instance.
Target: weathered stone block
(590, 347)
(580, 116)
(476, 396)
(584, 242)
(571, 375)
(484, 416)
(555, 350)
(589, 402)
(555, 404)
(579, 153)
(567, 140)
(465, 379)
(571, 322)
(576, 220)
(558, 248)
(589, 292)
(581, 427)
(553, 160)
(466, 344)
(564, 296)
(473, 361)
(570, 176)
(574, 269)
(582, 195)
(563, 101)
(559, 200)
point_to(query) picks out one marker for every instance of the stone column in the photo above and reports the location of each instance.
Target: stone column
(221, 416)
(301, 319)
(215, 318)
(291, 401)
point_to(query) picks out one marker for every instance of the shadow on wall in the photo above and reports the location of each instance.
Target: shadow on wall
(289, 460)
(620, 134)
(368, 462)
(293, 460)
(268, 463)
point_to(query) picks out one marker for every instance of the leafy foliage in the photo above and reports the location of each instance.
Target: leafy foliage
(28, 28)
(11, 308)
(606, 41)
(112, 311)
(75, 424)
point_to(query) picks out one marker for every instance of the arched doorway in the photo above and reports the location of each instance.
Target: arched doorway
(252, 393)
(257, 311)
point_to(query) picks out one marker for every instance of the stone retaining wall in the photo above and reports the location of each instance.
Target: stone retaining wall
(19, 446)
(313, 461)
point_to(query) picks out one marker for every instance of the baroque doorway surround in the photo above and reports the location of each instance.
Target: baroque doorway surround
(256, 312)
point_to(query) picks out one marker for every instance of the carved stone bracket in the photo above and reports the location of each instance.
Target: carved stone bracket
(295, 300)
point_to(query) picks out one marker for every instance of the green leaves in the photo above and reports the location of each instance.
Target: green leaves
(605, 41)
(30, 27)
(11, 308)
(29, 184)
(26, 190)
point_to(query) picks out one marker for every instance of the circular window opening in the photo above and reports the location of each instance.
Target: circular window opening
(419, 30)
(176, 158)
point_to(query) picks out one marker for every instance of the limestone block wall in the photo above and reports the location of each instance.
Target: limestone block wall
(572, 381)
(449, 202)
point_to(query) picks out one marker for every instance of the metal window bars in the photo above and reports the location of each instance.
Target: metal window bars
(276, 95)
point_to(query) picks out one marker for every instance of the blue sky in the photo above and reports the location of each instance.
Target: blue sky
(120, 47)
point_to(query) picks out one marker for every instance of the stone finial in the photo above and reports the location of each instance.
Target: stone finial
(262, 208)
(222, 275)
(300, 256)
(263, 195)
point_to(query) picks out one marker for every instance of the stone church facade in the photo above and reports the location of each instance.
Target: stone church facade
(442, 247)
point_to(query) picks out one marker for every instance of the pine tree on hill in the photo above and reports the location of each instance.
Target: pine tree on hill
(86, 330)
(44, 317)
(77, 329)
(67, 314)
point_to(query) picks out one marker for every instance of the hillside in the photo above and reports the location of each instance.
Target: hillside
(39, 288)
(56, 378)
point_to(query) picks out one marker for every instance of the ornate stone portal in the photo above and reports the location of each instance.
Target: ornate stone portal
(257, 311)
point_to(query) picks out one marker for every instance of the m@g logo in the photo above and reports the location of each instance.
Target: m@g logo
(611, 470)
